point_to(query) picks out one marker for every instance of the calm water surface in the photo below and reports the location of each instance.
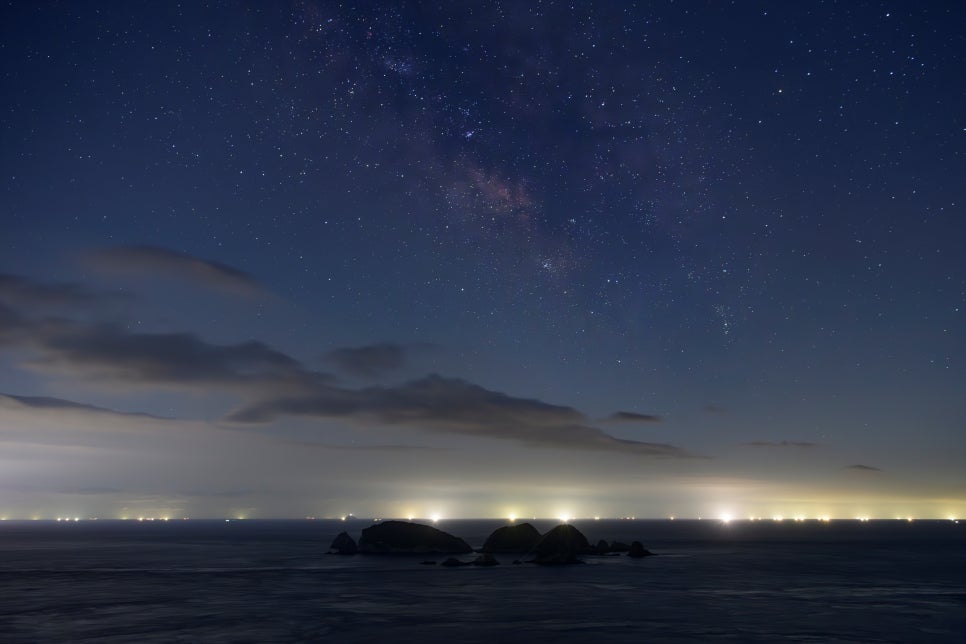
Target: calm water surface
(270, 581)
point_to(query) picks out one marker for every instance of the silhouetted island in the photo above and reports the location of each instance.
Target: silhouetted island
(561, 545)
(401, 537)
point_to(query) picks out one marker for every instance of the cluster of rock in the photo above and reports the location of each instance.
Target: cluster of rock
(561, 545)
(635, 550)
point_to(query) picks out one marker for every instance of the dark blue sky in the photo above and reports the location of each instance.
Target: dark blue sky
(409, 258)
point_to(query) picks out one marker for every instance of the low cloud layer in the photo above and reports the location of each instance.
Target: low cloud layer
(274, 385)
(161, 261)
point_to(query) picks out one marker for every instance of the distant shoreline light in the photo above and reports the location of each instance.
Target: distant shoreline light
(724, 518)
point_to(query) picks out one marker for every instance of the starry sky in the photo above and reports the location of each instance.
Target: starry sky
(479, 259)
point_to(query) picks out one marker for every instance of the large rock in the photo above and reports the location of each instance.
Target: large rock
(512, 539)
(343, 544)
(637, 550)
(401, 537)
(560, 546)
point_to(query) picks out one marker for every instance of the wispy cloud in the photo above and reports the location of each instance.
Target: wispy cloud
(273, 385)
(798, 444)
(454, 406)
(9, 401)
(162, 261)
(369, 361)
(863, 468)
(110, 355)
(632, 417)
(18, 292)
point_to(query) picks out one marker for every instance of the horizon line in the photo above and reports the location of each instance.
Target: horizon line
(437, 520)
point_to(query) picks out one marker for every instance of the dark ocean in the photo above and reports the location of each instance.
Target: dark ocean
(271, 581)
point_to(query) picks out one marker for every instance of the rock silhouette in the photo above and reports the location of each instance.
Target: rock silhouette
(343, 545)
(485, 559)
(453, 562)
(511, 539)
(637, 550)
(401, 537)
(560, 546)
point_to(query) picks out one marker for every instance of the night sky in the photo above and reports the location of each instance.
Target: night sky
(482, 259)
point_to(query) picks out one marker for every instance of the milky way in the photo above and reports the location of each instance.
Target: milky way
(280, 260)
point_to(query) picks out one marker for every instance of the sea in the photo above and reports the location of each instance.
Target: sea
(272, 581)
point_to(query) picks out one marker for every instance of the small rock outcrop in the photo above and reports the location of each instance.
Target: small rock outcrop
(511, 539)
(617, 546)
(602, 547)
(401, 537)
(453, 562)
(486, 559)
(560, 546)
(637, 550)
(343, 545)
